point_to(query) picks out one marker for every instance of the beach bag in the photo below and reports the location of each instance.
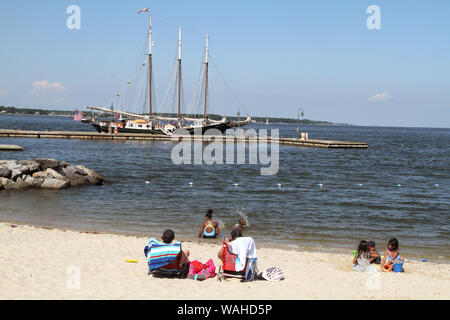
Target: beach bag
(273, 274)
(200, 271)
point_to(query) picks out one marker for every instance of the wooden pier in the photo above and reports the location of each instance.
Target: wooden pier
(6, 133)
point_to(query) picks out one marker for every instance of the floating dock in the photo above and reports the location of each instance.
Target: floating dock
(6, 133)
(10, 147)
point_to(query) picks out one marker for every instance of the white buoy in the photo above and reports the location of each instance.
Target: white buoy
(320, 185)
(147, 182)
(399, 185)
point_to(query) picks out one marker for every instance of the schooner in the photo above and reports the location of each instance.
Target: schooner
(151, 123)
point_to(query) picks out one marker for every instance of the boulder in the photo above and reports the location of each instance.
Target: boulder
(47, 163)
(32, 165)
(54, 184)
(21, 183)
(10, 164)
(33, 182)
(77, 180)
(17, 170)
(6, 183)
(69, 170)
(93, 176)
(4, 172)
(77, 176)
(53, 174)
(64, 164)
(9, 184)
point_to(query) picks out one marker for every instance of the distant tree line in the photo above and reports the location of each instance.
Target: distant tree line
(31, 111)
(257, 119)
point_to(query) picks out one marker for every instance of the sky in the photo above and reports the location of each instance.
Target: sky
(277, 56)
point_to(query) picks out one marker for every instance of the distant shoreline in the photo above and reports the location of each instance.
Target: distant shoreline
(316, 123)
(36, 115)
(258, 120)
(313, 123)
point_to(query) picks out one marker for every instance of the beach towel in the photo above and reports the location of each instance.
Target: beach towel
(273, 274)
(160, 254)
(243, 248)
(228, 258)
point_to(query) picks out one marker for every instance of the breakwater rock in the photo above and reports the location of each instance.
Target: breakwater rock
(45, 174)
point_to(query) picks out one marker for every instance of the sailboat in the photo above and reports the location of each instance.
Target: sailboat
(129, 122)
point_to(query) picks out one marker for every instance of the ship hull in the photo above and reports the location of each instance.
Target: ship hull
(105, 129)
(222, 127)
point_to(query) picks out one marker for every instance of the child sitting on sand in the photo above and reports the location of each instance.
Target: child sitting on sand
(361, 262)
(374, 255)
(391, 255)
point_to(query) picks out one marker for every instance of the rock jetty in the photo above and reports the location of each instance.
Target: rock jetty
(45, 174)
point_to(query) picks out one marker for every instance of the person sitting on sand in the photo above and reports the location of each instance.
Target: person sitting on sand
(167, 238)
(209, 228)
(361, 262)
(374, 255)
(392, 254)
(235, 233)
(245, 251)
(361, 244)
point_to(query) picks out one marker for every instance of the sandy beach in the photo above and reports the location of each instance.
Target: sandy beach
(39, 263)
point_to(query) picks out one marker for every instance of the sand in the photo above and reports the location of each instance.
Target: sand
(38, 263)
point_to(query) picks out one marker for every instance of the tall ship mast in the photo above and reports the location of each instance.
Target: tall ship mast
(154, 123)
(150, 79)
(179, 77)
(205, 114)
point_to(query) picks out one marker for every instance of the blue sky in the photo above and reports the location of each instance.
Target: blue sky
(276, 55)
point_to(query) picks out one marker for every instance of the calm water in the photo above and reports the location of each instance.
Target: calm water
(300, 214)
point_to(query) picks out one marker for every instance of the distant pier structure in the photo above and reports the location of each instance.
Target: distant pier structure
(6, 133)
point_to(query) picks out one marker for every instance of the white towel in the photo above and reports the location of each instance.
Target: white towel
(243, 247)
